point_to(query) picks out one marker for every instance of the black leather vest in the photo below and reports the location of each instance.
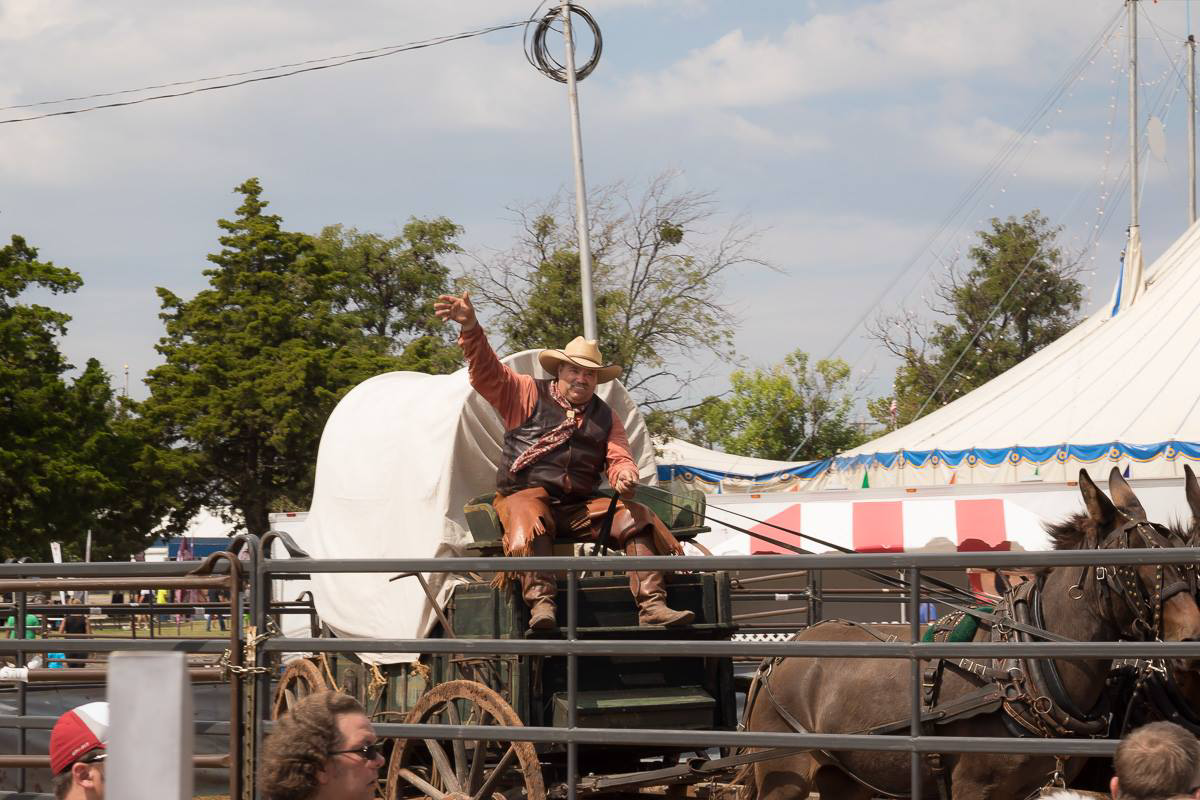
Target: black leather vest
(571, 470)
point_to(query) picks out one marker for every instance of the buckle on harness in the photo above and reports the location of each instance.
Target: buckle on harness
(1101, 574)
(973, 667)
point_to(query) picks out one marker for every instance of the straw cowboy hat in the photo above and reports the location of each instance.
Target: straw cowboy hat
(582, 353)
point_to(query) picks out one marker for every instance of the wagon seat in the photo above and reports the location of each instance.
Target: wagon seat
(681, 511)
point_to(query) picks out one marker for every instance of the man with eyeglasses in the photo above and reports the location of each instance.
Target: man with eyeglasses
(1159, 760)
(78, 747)
(323, 748)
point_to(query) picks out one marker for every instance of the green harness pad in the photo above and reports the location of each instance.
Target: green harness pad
(957, 627)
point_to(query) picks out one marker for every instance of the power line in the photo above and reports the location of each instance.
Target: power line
(297, 68)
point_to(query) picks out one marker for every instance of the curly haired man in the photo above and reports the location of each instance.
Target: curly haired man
(323, 748)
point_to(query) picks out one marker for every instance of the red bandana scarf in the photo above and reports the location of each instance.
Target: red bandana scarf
(552, 438)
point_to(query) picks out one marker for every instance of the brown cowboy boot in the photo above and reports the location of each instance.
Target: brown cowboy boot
(650, 590)
(540, 588)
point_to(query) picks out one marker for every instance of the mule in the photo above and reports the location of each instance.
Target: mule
(838, 695)
(1148, 695)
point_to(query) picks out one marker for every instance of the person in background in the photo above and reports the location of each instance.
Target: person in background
(78, 747)
(75, 622)
(161, 598)
(32, 626)
(215, 596)
(1156, 762)
(323, 748)
(55, 617)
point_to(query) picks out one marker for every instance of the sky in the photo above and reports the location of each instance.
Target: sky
(848, 132)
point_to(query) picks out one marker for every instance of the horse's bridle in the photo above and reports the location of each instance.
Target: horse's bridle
(1145, 605)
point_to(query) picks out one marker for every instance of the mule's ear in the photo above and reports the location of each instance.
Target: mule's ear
(1192, 489)
(1123, 495)
(1099, 507)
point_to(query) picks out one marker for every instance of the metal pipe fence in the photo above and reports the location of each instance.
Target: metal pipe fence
(916, 743)
(20, 580)
(249, 656)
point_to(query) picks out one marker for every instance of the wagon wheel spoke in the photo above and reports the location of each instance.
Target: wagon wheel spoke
(459, 746)
(479, 754)
(454, 770)
(509, 756)
(442, 762)
(478, 762)
(420, 783)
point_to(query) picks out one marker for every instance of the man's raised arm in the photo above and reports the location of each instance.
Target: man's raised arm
(513, 395)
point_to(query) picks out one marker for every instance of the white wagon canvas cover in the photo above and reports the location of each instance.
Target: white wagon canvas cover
(400, 456)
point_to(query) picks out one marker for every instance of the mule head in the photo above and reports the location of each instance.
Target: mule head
(1143, 600)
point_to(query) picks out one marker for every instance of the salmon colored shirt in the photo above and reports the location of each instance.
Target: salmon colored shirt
(515, 396)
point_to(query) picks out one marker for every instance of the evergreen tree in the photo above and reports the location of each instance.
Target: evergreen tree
(70, 461)
(253, 366)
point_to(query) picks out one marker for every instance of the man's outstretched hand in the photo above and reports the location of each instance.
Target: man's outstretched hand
(459, 309)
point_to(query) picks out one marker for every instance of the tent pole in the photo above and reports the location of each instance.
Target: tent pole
(1131, 7)
(1191, 46)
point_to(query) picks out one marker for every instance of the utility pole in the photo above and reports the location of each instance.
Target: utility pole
(1131, 7)
(127, 380)
(581, 211)
(1191, 46)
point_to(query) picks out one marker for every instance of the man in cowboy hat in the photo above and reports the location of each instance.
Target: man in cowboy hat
(559, 438)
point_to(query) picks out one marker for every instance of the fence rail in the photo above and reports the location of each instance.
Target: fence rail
(250, 694)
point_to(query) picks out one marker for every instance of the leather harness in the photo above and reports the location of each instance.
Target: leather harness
(1029, 691)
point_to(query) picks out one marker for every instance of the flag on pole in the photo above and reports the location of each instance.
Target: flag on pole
(1125, 474)
(953, 478)
(893, 409)
(866, 484)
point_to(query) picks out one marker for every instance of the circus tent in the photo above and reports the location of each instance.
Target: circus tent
(1122, 388)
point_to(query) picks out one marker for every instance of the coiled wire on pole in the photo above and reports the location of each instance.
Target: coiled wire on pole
(537, 53)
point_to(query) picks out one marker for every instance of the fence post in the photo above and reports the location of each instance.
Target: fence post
(22, 699)
(572, 681)
(914, 622)
(150, 741)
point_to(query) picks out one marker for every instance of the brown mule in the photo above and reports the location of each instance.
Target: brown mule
(840, 695)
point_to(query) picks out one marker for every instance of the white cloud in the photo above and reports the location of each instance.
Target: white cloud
(1063, 156)
(754, 135)
(881, 46)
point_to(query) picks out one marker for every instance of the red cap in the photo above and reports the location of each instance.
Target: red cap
(78, 731)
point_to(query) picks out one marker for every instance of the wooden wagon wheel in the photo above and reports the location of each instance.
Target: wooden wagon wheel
(458, 769)
(300, 679)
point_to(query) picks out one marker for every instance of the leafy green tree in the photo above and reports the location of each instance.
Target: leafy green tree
(253, 366)
(1018, 294)
(659, 264)
(790, 411)
(389, 284)
(69, 459)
